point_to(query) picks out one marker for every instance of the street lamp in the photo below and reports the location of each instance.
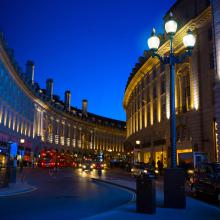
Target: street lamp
(174, 190)
(22, 147)
(189, 41)
(138, 143)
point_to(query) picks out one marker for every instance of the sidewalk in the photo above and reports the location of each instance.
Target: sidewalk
(194, 209)
(16, 189)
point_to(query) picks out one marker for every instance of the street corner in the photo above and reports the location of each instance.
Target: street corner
(15, 189)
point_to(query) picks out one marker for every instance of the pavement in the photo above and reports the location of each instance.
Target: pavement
(102, 200)
(195, 209)
(17, 188)
(66, 194)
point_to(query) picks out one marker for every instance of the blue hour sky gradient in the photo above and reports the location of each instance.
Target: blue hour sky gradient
(86, 46)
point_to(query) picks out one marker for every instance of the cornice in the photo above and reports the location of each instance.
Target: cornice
(201, 20)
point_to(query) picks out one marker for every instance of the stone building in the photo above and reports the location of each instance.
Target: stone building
(146, 98)
(43, 120)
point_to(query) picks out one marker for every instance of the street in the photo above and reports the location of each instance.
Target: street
(68, 194)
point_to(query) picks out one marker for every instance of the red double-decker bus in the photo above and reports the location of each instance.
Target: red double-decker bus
(47, 159)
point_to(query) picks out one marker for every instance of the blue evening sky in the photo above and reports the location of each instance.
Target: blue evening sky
(86, 46)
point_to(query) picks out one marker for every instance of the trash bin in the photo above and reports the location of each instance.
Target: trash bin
(145, 195)
(174, 188)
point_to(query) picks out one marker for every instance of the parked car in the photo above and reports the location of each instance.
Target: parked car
(144, 169)
(206, 179)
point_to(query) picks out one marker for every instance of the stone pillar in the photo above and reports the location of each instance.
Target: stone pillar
(216, 35)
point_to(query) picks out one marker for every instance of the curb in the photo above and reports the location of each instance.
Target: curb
(8, 194)
(114, 184)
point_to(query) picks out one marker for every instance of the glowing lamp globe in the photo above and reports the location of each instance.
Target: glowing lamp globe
(171, 25)
(138, 142)
(153, 41)
(189, 40)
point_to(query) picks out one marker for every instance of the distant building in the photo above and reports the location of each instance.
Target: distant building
(146, 98)
(44, 121)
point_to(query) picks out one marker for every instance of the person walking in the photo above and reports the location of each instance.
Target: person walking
(160, 166)
(21, 171)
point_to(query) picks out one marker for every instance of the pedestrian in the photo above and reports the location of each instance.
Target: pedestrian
(153, 163)
(160, 166)
(21, 171)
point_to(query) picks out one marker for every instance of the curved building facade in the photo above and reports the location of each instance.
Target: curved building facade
(43, 120)
(147, 96)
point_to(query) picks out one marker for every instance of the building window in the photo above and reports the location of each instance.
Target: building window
(163, 110)
(155, 112)
(148, 116)
(162, 68)
(148, 94)
(154, 74)
(186, 93)
(163, 84)
(154, 90)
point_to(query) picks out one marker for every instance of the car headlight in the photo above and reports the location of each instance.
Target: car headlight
(145, 171)
(190, 171)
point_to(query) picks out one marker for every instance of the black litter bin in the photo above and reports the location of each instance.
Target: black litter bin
(145, 195)
(174, 188)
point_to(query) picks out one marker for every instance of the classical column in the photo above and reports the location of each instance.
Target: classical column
(216, 34)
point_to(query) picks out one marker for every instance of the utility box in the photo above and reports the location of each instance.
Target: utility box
(145, 195)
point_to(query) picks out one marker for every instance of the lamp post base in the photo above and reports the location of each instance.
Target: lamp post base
(174, 188)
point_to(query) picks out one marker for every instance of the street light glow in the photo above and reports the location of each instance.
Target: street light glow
(138, 142)
(22, 141)
(189, 40)
(171, 25)
(153, 41)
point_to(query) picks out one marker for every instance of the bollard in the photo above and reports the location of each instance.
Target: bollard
(145, 195)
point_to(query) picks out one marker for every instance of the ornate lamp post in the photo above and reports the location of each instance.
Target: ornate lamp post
(22, 141)
(138, 144)
(174, 189)
(189, 41)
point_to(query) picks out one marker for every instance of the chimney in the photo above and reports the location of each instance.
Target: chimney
(67, 99)
(84, 107)
(30, 71)
(49, 88)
